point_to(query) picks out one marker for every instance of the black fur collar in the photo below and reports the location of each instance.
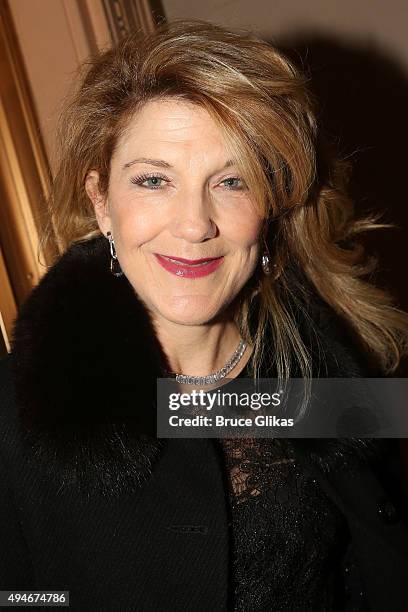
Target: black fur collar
(85, 359)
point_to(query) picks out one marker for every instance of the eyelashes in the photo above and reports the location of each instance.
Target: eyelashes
(156, 178)
(140, 179)
(235, 178)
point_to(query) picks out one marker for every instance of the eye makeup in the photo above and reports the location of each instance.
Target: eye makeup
(141, 178)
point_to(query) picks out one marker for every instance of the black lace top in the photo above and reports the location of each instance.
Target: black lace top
(288, 539)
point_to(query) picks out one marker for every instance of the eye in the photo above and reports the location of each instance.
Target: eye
(153, 181)
(234, 183)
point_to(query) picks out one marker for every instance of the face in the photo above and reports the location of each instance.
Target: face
(185, 228)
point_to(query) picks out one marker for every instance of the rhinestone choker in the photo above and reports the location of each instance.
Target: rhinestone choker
(215, 376)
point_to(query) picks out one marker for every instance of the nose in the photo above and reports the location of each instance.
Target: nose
(192, 220)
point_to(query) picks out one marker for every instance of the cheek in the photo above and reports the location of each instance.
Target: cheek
(134, 224)
(241, 223)
(245, 234)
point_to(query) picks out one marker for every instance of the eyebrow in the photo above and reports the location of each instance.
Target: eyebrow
(160, 163)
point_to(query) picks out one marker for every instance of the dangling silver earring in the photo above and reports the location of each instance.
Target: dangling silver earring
(114, 263)
(266, 264)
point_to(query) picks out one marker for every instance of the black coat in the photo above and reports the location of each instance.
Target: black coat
(92, 502)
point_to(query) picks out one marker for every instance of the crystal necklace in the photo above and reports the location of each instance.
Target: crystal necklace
(185, 379)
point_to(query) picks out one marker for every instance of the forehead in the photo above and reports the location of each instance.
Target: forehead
(172, 128)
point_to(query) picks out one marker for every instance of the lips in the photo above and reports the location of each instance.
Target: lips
(189, 268)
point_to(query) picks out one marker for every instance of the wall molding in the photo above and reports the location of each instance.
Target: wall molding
(124, 16)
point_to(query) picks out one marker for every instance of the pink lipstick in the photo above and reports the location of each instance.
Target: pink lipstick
(189, 268)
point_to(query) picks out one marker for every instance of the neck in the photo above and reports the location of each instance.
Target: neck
(199, 350)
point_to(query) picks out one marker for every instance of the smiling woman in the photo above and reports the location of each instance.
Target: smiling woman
(187, 239)
(207, 233)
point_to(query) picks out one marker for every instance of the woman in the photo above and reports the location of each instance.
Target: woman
(206, 230)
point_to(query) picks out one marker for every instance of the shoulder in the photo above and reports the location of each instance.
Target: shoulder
(10, 430)
(371, 499)
(7, 402)
(4, 373)
(370, 495)
(343, 352)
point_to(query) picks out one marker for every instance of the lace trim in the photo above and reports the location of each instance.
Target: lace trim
(288, 538)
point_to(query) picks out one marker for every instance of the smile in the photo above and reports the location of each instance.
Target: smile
(189, 268)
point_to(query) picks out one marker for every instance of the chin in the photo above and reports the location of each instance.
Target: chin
(191, 310)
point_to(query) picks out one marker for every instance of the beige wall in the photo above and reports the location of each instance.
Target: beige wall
(378, 22)
(53, 40)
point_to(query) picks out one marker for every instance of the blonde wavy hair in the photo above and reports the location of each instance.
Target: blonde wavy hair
(262, 105)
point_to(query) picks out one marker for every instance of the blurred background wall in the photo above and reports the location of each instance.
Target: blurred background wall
(42, 45)
(373, 22)
(356, 53)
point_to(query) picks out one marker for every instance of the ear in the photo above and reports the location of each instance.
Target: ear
(99, 201)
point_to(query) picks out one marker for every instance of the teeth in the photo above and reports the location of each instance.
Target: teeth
(175, 261)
